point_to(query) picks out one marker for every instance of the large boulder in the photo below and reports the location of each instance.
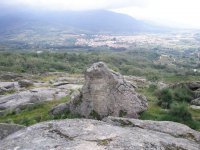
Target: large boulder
(79, 134)
(7, 129)
(106, 93)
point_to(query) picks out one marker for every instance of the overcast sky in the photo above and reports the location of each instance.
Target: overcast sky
(182, 13)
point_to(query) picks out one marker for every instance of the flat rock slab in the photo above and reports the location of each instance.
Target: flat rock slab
(85, 134)
(16, 100)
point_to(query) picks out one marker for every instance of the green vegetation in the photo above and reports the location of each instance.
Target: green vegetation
(177, 106)
(167, 104)
(36, 113)
(165, 98)
(168, 95)
(131, 62)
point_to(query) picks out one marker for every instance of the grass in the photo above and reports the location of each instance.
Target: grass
(154, 112)
(35, 114)
(176, 78)
(195, 113)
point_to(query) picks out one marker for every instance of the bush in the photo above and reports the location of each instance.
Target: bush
(180, 112)
(182, 94)
(152, 87)
(165, 98)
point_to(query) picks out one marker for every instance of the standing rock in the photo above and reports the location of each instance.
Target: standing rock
(107, 93)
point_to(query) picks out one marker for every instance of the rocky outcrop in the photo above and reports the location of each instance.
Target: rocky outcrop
(79, 134)
(22, 99)
(7, 129)
(105, 93)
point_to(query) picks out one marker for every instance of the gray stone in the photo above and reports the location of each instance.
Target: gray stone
(59, 109)
(191, 85)
(85, 134)
(196, 102)
(168, 127)
(7, 129)
(6, 87)
(24, 98)
(105, 93)
(25, 83)
(195, 107)
(10, 76)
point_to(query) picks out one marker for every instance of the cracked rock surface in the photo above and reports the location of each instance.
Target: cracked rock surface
(79, 134)
(105, 93)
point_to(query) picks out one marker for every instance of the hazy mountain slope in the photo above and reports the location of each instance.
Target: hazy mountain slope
(80, 21)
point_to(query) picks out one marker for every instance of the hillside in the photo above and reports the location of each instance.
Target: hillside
(95, 21)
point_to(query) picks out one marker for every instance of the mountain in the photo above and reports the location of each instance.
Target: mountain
(95, 21)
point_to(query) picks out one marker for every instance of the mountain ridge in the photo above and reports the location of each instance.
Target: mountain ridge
(93, 21)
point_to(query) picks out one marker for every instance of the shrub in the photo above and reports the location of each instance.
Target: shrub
(182, 94)
(180, 112)
(165, 98)
(152, 87)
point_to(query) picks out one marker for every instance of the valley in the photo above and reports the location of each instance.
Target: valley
(97, 79)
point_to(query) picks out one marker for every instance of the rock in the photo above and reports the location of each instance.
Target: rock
(195, 107)
(137, 81)
(193, 85)
(105, 93)
(69, 87)
(7, 129)
(10, 76)
(75, 79)
(161, 85)
(59, 109)
(168, 127)
(24, 98)
(190, 85)
(25, 83)
(6, 87)
(79, 134)
(196, 93)
(196, 102)
(62, 108)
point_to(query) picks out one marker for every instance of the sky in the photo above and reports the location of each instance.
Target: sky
(174, 13)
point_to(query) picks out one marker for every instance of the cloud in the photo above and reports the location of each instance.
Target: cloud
(184, 13)
(74, 4)
(180, 13)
